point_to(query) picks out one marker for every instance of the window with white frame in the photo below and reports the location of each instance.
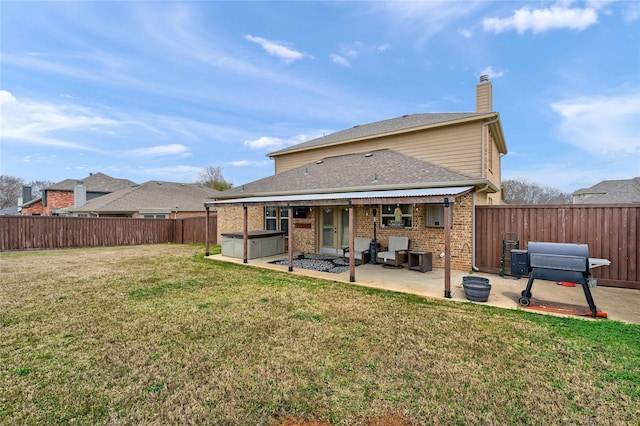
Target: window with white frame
(276, 219)
(396, 216)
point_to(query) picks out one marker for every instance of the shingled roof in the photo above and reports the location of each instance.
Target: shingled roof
(152, 195)
(376, 170)
(399, 124)
(95, 182)
(611, 192)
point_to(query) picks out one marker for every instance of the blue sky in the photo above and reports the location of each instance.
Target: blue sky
(160, 90)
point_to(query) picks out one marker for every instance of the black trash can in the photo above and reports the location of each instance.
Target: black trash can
(519, 263)
(374, 247)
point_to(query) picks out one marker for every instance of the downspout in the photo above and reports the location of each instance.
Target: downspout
(484, 176)
(473, 229)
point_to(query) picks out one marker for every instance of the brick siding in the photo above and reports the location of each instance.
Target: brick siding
(230, 219)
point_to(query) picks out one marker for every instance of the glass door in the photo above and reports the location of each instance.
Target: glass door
(335, 229)
(329, 230)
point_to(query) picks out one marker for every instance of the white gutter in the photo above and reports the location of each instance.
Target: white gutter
(473, 228)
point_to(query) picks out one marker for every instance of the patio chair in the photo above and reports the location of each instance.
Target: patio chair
(397, 252)
(360, 249)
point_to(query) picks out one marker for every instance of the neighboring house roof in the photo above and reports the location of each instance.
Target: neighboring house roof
(610, 192)
(32, 202)
(374, 171)
(95, 182)
(151, 196)
(410, 122)
(8, 211)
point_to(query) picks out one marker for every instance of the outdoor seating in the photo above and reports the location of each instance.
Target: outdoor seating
(397, 252)
(360, 249)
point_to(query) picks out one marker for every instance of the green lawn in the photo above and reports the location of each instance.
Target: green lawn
(160, 335)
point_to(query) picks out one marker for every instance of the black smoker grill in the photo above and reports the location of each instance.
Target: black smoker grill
(556, 262)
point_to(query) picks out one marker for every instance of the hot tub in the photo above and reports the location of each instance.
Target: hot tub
(259, 244)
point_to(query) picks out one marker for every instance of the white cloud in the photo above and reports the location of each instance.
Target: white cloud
(37, 122)
(603, 126)
(491, 73)
(160, 150)
(541, 20)
(247, 163)
(423, 20)
(631, 13)
(352, 50)
(466, 33)
(277, 49)
(340, 60)
(383, 47)
(272, 144)
(172, 173)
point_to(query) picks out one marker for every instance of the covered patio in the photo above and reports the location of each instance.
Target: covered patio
(439, 195)
(619, 303)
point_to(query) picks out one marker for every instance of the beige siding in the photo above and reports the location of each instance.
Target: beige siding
(456, 147)
(484, 97)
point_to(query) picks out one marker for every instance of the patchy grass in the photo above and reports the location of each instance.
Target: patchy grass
(160, 335)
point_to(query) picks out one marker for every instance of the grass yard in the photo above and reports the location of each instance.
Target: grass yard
(160, 335)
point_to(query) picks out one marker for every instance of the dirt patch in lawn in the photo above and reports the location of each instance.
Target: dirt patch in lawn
(386, 420)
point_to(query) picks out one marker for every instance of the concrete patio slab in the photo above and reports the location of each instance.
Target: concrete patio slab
(619, 304)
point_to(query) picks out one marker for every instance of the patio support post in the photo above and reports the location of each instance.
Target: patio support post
(206, 232)
(447, 249)
(352, 258)
(245, 234)
(290, 210)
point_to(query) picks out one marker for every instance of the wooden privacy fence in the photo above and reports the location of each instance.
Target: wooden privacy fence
(192, 230)
(611, 231)
(50, 232)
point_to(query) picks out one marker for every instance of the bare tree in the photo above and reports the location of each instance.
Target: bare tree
(212, 178)
(10, 190)
(38, 186)
(522, 191)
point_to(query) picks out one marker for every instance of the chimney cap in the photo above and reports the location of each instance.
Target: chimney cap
(484, 77)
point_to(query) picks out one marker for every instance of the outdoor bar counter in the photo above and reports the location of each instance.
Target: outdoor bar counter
(259, 244)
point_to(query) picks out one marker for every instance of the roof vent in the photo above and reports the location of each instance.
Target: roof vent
(405, 116)
(484, 78)
(319, 161)
(368, 154)
(375, 178)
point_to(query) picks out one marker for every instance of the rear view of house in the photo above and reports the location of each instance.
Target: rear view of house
(395, 174)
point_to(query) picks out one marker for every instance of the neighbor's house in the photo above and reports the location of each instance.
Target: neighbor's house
(414, 162)
(57, 198)
(150, 200)
(610, 192)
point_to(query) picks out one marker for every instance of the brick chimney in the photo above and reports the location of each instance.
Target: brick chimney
(484, 95)
(79, 195)
(27, 195)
